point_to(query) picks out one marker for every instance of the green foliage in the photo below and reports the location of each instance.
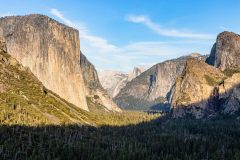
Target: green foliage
(37, 124)
(25, 101)
(212, 81)
(184, 100)
(164, 138)
(96, 97)
(230, 72)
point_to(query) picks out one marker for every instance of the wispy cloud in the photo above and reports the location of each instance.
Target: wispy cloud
(94, 41)
(147, 53)
(105, 55)
(223, 28)
(142, 19)
(58, 14)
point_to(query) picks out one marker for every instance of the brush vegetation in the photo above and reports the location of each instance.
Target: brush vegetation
(35, 123)
(25, 101)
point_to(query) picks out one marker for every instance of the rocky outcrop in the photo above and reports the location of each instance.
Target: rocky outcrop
(203, 91)
(52, 52)
(152, 88)
(211, 58)
(94, 89)
(194, 88)
(136, 72)
(24, 100)
(225, 53)
(230, 93)
(114, 81)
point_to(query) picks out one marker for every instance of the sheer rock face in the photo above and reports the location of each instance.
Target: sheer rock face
(51, 50)
(153, 86)
(231, 93)
(203, 91)
(94, 87)
(194, 87)
(136, 72)
(226, 52)
(30, 99)
(114, 81)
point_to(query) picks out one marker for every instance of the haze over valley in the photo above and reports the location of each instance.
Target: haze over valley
(112, 80)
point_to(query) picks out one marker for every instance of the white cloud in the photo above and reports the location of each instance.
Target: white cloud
(58, 14)
(105, 55)
(145, 53)
(163, 31)
(223, 28)
(94, 41)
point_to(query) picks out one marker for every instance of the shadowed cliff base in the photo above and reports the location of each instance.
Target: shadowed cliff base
(204, 91)
(162, 138)
(215, 105)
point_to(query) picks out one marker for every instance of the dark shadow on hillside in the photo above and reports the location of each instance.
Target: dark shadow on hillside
(164, 107)
(227, 102)
(163, 138)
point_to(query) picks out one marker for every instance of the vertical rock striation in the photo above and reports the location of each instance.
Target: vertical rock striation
(203, 90)
(152, 88)
(94, 89)
(225, 53)
(196, 89)
(52, 52)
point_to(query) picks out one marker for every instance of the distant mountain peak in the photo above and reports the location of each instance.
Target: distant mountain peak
(152, 88)
(114, 81)
(194, 55)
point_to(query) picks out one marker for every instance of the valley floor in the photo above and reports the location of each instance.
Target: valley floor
(153, 138)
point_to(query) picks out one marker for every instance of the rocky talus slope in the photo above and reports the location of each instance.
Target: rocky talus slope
(152, 88)
(203, 90)
(52, 52)
(114, 81)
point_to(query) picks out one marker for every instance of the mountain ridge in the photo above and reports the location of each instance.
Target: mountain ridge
(200, 93)
(152, 88)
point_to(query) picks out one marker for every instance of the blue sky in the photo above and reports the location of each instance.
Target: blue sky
(121, 34)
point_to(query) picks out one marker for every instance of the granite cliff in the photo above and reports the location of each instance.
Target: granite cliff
(225, 52)
(110, 80)
(114, 81)
(205, 90)
(51, 50)
(25, 100)
(152, 88)
(94, 90)
(194, 87)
